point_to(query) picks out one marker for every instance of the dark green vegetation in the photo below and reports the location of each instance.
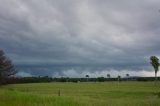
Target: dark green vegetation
(65, 79)
(81, 94)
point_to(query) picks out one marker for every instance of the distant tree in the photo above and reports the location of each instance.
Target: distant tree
(87, 76)
(6, 68)
(108, 76)
(155, 63)
(119, 78)
(127, 75)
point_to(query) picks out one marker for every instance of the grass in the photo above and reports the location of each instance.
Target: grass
(81, 94)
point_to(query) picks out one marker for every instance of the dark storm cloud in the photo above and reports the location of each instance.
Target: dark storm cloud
(118, 34)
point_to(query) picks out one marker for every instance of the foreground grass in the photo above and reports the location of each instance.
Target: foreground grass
(14, 98)
(81, 94)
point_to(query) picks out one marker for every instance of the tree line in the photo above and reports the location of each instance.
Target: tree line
(13, 80)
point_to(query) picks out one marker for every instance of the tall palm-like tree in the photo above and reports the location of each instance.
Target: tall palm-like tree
(155, 63)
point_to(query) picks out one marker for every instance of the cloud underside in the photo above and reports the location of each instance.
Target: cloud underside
(121, 35)
(82, 72)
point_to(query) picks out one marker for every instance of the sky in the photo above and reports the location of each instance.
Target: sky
(77, 37)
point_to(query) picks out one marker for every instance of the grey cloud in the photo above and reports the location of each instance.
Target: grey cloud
(118, 34)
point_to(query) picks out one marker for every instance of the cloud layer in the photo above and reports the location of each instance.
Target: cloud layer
(118, 34)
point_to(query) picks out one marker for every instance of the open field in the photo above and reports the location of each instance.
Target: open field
(81, 94)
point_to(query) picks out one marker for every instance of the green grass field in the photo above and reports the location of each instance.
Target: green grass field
(81, 94)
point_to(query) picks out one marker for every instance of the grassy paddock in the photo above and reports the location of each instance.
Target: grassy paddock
(81, 94)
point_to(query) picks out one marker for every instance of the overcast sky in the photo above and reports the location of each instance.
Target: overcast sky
(76, 37)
